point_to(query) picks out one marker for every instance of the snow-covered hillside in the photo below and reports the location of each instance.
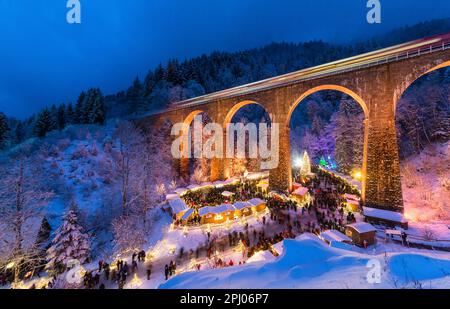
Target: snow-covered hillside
(308, 262)
(426, 185)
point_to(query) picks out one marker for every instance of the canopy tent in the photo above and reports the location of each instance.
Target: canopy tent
(300, 191)
(351, 197)
(227, 193)
(263, 185)
(352, 204)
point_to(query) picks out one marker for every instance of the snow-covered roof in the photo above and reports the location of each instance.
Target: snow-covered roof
(215, 209)
(256, 201)
(180, 191)
(257, 175)
(278, 247)
(231, 180)
(219, 183)
(227, 193)
(225, 207)
(241, 205)
(384, 214)
(334, 235)
(177, 205)
(261, 256)
(300, 191)
(362, 227)
(171, 196)
(193, 187)
(263, 185)
(353, 202)
(187, 214)
(351, 197)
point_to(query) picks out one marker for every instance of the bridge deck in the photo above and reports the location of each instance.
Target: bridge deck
(386, 55)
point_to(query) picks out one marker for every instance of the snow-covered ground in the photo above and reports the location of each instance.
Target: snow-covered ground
(308, 262)
(426, 185)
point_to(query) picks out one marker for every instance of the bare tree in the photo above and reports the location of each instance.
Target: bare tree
(126, 163)
(22, 198)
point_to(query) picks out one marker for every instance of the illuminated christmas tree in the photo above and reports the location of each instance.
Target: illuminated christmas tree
(323, 162)
(305, 169)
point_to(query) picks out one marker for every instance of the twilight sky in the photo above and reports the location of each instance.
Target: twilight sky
(45, 60)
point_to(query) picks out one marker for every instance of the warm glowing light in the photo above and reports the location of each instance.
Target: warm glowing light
(357, 175)
(219, 217)
(10, 265)
(298, 162)
(135, 282)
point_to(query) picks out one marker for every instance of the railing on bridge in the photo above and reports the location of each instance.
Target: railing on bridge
(388, 59)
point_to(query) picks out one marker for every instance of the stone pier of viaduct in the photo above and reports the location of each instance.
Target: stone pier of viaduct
(377, 87)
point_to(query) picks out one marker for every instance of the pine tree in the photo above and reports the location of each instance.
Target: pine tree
(70, 243)
(70, 114)
(44, 123)
(135, 90)
(94, 107)
(80, 116)
(4, 129)
(61, 117)
(43, 234)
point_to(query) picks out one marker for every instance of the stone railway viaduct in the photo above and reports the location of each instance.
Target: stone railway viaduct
(375, 80)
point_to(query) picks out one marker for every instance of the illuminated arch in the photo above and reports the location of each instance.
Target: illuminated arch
(402, 92)
(365, 109)
(189, 118)
(237, 107)
(345, 90)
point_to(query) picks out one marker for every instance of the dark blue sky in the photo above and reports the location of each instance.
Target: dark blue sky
(45, 60)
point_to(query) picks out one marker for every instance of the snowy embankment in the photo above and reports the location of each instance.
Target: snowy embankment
(426, 185)
(309, 263)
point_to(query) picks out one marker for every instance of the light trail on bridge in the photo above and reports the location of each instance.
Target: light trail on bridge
(385, 55)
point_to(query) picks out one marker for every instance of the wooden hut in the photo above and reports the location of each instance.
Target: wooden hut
(258, 204)
(361, 233)
(301, 194)
(187, 215)
(217, 214)
(263, 186)
(177, 207)
(242, 209)
(351, 202)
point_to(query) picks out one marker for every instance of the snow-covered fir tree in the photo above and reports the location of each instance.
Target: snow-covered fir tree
(70, 243)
